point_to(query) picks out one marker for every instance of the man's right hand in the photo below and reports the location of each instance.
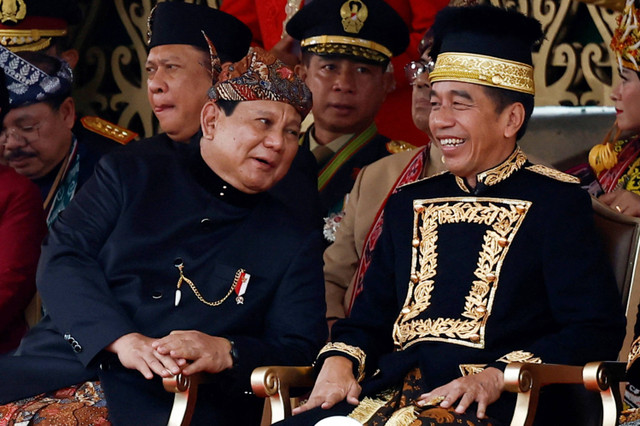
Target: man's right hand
(335, 383)
(135, 352)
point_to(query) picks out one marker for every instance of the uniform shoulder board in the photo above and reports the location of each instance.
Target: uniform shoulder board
(553, 173)
(108, 130)
(425, 178)
(395, 147)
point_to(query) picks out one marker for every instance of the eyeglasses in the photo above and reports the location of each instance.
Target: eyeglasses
(25, 135)
(415, 68)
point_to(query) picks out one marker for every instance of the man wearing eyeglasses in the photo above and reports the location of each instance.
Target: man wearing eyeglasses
(346, 260)
(37, 137)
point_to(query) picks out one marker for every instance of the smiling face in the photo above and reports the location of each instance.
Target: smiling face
(346, 94)
(253, 147)
(472, 135)
(177, 83)
(626, 96)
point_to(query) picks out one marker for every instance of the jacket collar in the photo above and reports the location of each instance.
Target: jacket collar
(495, 175)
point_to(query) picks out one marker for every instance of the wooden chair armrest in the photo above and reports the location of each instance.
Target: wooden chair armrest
(526, 379)
(184, 401)
(275, 383)
(605, 377)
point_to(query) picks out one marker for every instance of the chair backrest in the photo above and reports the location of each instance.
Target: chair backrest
(620, 235)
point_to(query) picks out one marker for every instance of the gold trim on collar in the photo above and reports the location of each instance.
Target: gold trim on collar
(485, 70)
(499, 173)
(352, 351)
(503, 218)
(336, 39)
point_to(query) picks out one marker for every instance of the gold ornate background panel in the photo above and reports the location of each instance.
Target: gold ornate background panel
(573, 64)
(502, 219)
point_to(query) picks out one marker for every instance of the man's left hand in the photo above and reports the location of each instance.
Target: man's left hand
(207, 353)
(484, 388)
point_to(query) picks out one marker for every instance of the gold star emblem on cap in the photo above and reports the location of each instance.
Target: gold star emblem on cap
(353, 13)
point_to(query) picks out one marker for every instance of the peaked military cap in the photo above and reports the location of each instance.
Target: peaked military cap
(485, 45)
(367, 29)
(31, 24)
(27, 84)
(184, 23)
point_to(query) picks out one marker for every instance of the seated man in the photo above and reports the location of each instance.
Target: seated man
(38, 139)
(492, 262)
(165, 265)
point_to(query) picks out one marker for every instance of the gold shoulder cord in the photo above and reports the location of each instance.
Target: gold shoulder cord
(182, 278)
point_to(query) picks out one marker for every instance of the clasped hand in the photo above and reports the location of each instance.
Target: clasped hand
(182, 351)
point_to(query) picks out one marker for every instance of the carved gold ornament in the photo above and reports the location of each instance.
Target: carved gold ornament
(12, 11)
(484, 70)
(353, 13)
(503, 218)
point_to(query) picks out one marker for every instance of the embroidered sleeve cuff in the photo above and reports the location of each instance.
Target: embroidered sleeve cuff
(354, 353)
(520, 356)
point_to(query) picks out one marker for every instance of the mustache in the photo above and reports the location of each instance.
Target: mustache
(17, 153)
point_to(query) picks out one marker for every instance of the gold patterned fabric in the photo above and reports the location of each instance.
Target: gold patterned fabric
(503, 218)
(352, 351)
(398, 407)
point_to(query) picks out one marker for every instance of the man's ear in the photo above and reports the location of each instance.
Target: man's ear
(71, 56)
(67, 110)
(301, 71)
(388, 81)
(514, 117)
(208, 118)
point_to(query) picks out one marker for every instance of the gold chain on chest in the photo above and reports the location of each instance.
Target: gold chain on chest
(180, 266)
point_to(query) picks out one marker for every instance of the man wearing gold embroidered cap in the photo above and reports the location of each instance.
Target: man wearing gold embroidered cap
(172, 263)
(346, 47)
(495, 261)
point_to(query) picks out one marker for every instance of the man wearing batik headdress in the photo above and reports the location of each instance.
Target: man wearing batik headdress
(37, 137)
(170, 264)
(495, 261)
(616, 161)
(45, 26)
(346, 48)
(179, 74)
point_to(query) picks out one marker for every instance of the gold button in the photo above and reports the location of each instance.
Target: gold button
(406, 310)
(415, 242)
(491, 277)
(496, 79)
(414, 278)
(475, 338)
(520, 209)
(419, 209)
(481, 309)
(503, 242)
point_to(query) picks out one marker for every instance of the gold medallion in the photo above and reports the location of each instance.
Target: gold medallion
(353, 13)
(12, 11)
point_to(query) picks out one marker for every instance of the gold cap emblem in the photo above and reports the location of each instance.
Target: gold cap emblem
(353, 13)
(12, 11)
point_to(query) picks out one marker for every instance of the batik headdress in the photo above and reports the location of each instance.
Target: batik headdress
(28, 84)
(259, 76)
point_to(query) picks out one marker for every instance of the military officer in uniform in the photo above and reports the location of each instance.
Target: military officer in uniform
(346, 48)
(168, 264)
(492, 262)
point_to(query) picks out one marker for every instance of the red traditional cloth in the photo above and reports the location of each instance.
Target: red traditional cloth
(22, 227)
(411, 173)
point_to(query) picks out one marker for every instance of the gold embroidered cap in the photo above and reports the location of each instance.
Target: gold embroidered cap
(625, 42)
(365, 29)
(485, 45)
(32, 25)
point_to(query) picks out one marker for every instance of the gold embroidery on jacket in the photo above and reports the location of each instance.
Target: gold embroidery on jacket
(553, 173)
(520, 356)
(503, 218)
(635, 352)
(511, 165)
(471, 369)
